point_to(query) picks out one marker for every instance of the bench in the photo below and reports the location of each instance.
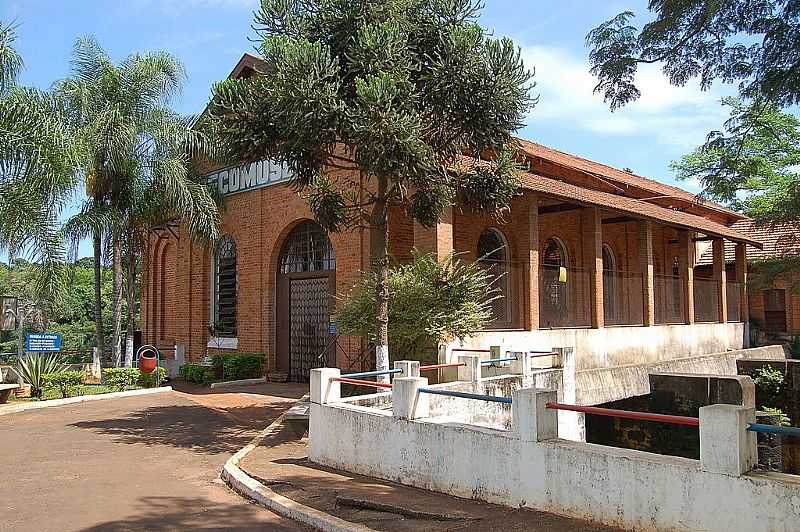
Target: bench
(5, 391)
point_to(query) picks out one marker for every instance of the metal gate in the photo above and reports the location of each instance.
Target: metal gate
(308, 325)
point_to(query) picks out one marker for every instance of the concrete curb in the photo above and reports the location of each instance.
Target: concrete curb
(23, 407)
(242, 382)
(247, 486)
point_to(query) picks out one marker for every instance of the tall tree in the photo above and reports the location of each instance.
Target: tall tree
(38, 159)
(753, 42)
(392, 92)
(137, 149)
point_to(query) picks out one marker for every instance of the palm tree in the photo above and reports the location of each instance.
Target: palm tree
(138, 156)
(38, 159)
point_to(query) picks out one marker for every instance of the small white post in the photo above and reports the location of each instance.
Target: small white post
(522, 365)
(470, 370)
(407, 402)
(726, 447)
(180, 355)
(409, 368)
(323, 390)
(531, 420)
(572, 425)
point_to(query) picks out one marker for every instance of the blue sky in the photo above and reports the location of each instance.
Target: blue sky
(209, 36)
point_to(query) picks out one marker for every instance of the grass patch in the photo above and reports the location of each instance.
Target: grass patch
(52, 393)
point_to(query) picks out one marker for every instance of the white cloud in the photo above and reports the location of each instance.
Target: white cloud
(677, 116)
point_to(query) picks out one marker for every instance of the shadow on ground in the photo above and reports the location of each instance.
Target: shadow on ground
(192, 513)
(191, 427)
(287, 390)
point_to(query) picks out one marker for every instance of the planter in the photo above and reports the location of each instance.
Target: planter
(147, 362)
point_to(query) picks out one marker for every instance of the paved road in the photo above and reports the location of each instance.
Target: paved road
(139, 463)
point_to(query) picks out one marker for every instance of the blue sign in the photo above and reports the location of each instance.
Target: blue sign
(43, 342)
(332, 328)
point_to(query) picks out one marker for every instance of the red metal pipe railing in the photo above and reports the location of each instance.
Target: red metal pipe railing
(472, 350)
(359, 382)
(440, 366)
(627, 414)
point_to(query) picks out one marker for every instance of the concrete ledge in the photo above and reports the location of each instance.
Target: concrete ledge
(22, 407)
(247, 486)
(243, 382)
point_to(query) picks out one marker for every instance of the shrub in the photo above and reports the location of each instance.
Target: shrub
(197, 373)
(122, 378)
(783, 419)
(235, 366)
(151, 380)
(430, 302)
(63, 380)
(769, 386)
(33, 367)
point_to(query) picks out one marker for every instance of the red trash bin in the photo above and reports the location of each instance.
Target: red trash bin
(147, 362)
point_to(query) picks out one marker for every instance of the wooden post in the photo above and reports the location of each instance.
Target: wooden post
(533, 264)
(645, 238)
(718, 251)
(592, 228)
(686, 265)
(741, 278)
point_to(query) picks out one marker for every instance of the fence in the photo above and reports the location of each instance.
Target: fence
(623, 298)
(564, 297)
(706, 300)
(669, 296)
(733, 292)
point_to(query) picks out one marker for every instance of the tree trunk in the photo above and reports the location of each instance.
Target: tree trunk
(379, 236)
(20, 334)
(116, 313)
(131, 299)
(98, 294)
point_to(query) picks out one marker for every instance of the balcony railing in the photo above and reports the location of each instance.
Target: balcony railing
(733, 293)
(564, 298)
(669, 298)
(706, 300)
(623, 298)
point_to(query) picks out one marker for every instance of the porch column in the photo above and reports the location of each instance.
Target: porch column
(532, 315)
(686, 266)
(718, 250)
(645, 238)
(438, 239)
(741, 278)
(592, 237)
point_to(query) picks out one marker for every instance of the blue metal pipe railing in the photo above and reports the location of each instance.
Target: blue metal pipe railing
(773, 429)
(465, 395)
(372, 373)
(495, 360)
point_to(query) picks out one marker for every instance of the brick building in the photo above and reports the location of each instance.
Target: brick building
(774, 309)
(591, 257)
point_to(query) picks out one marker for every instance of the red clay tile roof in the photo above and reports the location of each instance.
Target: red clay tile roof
(619, 176)
(642, 209)
(779, 240)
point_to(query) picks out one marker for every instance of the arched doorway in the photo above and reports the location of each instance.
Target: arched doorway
(610, 291)
(553, 295)
(493, 256)
(306, 284)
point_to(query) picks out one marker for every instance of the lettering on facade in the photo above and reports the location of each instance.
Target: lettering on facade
(249, 176)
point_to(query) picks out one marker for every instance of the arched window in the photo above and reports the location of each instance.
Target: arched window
(307, 249)
(225, 288)
(554, 302)
(493, 255)
(610, 284)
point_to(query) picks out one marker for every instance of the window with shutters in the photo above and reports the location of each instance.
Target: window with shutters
(225, 288)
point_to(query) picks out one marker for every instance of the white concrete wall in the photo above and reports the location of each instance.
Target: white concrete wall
(618, 346)
(618, 487)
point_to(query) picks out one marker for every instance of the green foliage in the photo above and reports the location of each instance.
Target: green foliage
(755, 43)
(753, 164)
(430, 302)
(153, 379)
(121, 378)
(33, 367)
(783, 419)
(235, 366)
(65, 381)
(197, 373)
(769, 383)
